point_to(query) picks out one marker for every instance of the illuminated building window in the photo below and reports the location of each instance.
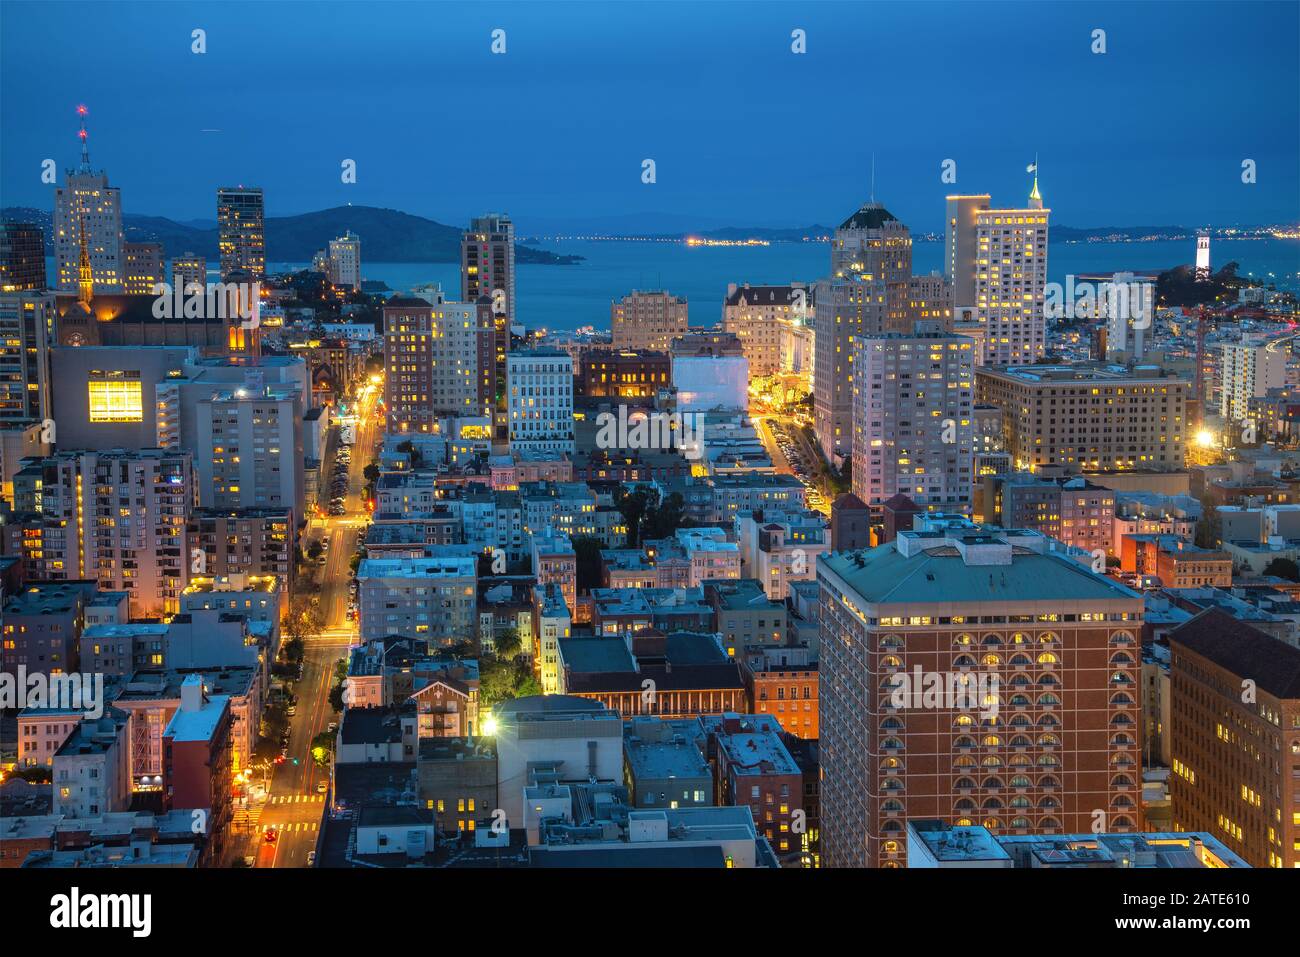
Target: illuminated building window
(115, 400)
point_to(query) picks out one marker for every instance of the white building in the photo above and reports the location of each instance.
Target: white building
(540, 402)
(997, 261)
(779, 547)
(710, 372)
(345, 261)
(912, 418)
(580, 738)
(1249, 369)
(92, 770)
(85, 197)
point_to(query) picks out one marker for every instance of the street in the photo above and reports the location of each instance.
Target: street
(294, 807)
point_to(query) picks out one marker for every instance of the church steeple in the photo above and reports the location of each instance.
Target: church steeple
(86, 277)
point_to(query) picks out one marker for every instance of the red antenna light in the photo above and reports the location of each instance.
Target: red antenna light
(81, 110)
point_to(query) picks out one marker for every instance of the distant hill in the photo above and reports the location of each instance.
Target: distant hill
(387, 235)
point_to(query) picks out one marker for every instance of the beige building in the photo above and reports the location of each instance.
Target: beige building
(997, 262)
(647, 320)
(913, 428)
(759, 316)
(1088, 417)
(440, 361)
(144, 268)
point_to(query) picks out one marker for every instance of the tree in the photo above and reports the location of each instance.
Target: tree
(303, 620)
(587, 550)
(371, 472)
(1209, 528)
(502, 680)
(632, 506)
(322, 747)
(664, 518)
(1283, 568)
(508, 644)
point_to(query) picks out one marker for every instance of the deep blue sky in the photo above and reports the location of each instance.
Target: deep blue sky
(743, 131)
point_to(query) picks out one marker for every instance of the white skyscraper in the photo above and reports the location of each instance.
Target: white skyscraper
(86, 198)
(997, 262)
(540, 405)
(345, 261)
(914, 432)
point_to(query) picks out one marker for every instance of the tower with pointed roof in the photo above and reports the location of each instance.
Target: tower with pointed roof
(88, 227)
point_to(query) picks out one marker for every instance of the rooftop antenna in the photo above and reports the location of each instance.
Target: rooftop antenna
(85, 149)
(873, 178)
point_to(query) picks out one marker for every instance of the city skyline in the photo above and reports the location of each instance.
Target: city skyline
(942, 514)
(705, 95)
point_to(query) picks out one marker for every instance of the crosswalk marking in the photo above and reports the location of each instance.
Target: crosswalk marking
(297, 798)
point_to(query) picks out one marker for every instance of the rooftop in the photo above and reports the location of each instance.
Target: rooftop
(1243, 650)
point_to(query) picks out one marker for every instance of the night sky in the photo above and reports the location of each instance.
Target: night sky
(742, 130)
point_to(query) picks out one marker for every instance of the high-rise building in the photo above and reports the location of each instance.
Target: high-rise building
(976, 676)
(541, 400)
(22, 257)
(241, 231)
(124, 515)
(913, 430)
(487, 263)
(189, 270)
(845, 308)
(1088, 417)
(249, 449)
(143, 268)
(440, 361)
(86, 202)
(345, 261)
(867, 292)
(647, 320)
(1249, 369)
(962, 244)
(1008, 260)
(487, 272)
(1235, 737)
(26, 330)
